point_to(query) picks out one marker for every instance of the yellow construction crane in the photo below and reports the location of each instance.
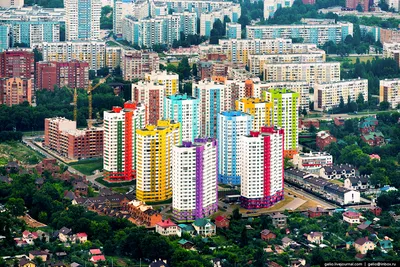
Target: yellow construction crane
(89, 91)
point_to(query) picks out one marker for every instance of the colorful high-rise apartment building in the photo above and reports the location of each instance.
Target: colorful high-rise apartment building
(261, 168)
(152, 95)
(284, 115)
(209, 95)
(194, 179)
(259, 109)
(184, 109)
(120, 136)
(231, 126)
(154, 160)
(82, 19)
(170, 80)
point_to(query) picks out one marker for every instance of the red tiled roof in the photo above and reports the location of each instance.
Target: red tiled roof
(98, 258)
(220, 218)
(95, 251)
(81, 235)
(166, 223)
(351, 214)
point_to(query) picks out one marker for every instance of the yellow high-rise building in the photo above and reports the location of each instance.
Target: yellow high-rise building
(168, 79)
(259, 109)
(154, 160)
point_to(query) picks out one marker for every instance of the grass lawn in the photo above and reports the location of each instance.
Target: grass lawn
(121, 190)
(352, 59)
(168, 201)
(10, 151)
(33, 133)
(337, 182)
(87, 166)
(105, 183)
(112, 43)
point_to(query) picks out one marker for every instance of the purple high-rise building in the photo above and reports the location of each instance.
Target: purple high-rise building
(194, 179)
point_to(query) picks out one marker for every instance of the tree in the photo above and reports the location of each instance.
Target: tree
(236, 214)
(16, 206)
(183, 69)
(304, 112)
(384, 105)
(244, 240)
(359, 8)
(194, 70)
(106, 18)
(312, 129)
(341, 104)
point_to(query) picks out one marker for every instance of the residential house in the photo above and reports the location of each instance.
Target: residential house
(222, 222)
(95, 259)
(323, 139)
(26, 239)
(95, 251)
(12, 167)
(186, 228)
(360, 183)
(366, 126)
(58, 264)
(341, 171)
(167, 227)
(376, 210)
(363, 244)
(315, 237)
(315, 212)
(306, 124)
(279, 220)
(298, 263)
(373, 138)
(142, 214)
(365, 226)
(44, 255)
(24, 262)
(351, 217)
(81, 237)
(375, 157)
(81, 188)
(267, 235)
(39, 182)
(286, 242)
(204, 227)
(5, 179)
(338, 121)
(75, 264)
(185, 244)
(385, 244)
(65, 234)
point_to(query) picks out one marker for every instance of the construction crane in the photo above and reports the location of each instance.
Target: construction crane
(89, 91)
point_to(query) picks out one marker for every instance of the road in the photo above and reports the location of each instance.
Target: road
(344, 116)
(91, 178)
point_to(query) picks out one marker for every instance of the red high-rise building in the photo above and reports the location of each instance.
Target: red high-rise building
(73, 74)
(16, 76)
(354, 3)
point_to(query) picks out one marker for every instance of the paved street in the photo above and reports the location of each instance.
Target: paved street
(343, 115)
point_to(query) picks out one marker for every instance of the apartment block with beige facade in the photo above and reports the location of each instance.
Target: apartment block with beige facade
(320, 72)
(328, 95)
(389, 91)
(134, 64)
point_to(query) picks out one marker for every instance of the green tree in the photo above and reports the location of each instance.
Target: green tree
(384, 105)
(16, 206)
(236, 214)
(359, 8)
(183, 69)
(194, 70)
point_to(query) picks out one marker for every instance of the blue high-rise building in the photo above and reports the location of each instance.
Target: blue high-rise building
(231, 126)
(5, 36)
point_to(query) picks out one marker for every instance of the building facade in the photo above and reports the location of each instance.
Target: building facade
(260, 110)
(15, 91)
(120, 141)
(12, 3)
(231, 126)
(194, 179)
(261, 168)
(285, 115)
(82, 19)
(62, 136)
(134, 64)
(312, 161)
(270, 6)
(315, 34)
(207, 19)
(73, 74)
(389, 91)
(6, 40)
(209, 95)
(169, 80)
(185, 110)
(152, 96)
(328, 95)
(233, 30)
(154, 160)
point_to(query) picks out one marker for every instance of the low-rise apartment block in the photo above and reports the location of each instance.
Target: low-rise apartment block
(62, 136)
(327, 95)
(312, 161)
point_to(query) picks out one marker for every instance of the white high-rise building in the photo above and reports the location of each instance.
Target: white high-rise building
(169, 79)
(185, 110)
(12, 3)
(194, 179)
(82, 19)
(119, 153)
(261, 168)
(231, 125)
(209, 95)
(117, 17)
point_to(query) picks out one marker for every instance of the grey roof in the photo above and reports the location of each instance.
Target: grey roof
(39, 181)
(69, 195)
(321, 182)
(336, 189)
(65, 231)
(74, 264)
(362, 178)
(286, 240)
(339, 168)
(296, 172)
(278, 216)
